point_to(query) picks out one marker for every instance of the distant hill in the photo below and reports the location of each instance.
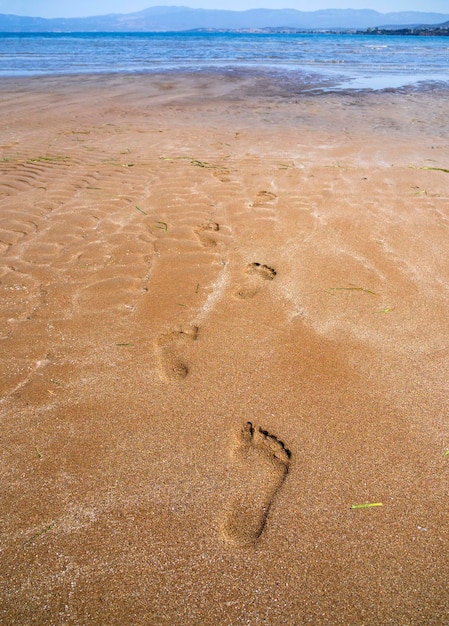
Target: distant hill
(160, 19)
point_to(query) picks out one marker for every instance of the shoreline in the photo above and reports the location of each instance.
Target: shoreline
(285, 82)
(225, 324)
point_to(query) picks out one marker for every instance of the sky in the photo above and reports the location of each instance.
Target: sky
(84, 8)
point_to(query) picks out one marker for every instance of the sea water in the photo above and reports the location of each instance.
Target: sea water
(315, 60)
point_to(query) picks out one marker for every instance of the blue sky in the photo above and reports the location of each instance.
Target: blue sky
(80, 8)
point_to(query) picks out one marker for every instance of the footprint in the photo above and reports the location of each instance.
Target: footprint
(173, 366)
(260, 463)
(222, 174)
(264, 271)
(246, 292)
(204, 234)
(263, 198)
(253, 287)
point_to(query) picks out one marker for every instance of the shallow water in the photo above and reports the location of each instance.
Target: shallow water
(347, 61)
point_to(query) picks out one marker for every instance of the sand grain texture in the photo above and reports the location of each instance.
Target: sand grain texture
(209, 252)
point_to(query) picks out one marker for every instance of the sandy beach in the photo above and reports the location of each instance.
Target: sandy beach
(224, 325)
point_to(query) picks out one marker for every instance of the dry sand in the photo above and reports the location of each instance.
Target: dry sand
(224, 321)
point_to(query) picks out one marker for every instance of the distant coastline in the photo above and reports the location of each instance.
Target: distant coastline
(423, 31)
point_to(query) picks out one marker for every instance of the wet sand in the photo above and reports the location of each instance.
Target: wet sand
(224, 322)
